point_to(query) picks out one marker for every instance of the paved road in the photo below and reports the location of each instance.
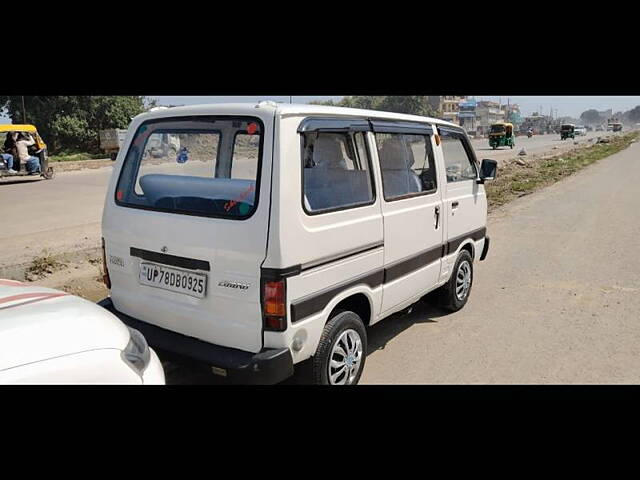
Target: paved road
(59, 215)
(536, 145)
(556, 301)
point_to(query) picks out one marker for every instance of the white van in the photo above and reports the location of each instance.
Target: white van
(286, 230)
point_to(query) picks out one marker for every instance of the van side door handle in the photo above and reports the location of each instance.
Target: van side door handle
(455, 204)
(437, 216)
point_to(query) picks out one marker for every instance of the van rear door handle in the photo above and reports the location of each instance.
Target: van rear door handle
(454, 205)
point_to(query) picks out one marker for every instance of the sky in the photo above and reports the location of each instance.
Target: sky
(566, 106)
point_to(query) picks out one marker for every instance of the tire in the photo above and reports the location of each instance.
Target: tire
(449, 299)
(49, 173)
(344, 327)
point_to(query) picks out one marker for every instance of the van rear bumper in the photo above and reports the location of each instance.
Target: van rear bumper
(266, 367)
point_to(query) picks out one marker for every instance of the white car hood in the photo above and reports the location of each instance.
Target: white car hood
(38, 323)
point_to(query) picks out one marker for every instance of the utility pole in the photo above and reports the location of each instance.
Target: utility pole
(24, 111)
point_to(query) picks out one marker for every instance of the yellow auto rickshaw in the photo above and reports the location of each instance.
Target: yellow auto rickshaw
(501, 135)
(39, 149)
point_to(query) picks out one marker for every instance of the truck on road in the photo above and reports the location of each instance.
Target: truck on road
(111, 140)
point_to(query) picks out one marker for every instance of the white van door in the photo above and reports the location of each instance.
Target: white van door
(411, 209)
(465, 202)
(186, 233)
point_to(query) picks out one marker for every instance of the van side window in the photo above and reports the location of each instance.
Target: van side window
(459, 165)
(407, 164)
(336, 171)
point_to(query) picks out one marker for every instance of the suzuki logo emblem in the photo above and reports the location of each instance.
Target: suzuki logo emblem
(164, 249)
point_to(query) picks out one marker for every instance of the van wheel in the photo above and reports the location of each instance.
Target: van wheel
(342, 351)
(455, 293)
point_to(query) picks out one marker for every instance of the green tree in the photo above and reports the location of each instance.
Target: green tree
(591, 117)
(71, 123)
(411, 104)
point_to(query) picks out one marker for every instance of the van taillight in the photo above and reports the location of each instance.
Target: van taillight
(275, 318)
(105, 276)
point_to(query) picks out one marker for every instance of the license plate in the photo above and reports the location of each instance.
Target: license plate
(174, 280)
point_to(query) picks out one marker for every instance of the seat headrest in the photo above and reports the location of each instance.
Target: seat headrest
(327, 152)
(395, 155)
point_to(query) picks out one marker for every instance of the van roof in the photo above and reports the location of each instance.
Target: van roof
(285, 110)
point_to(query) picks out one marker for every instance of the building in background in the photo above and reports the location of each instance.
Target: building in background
(512, 115)
(467, 115)
(447, 107)
(488, 113)
(540, 124)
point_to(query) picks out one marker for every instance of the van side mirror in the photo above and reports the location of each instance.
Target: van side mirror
(488, 170)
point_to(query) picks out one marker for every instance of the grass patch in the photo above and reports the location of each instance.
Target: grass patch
(515, 180)
(75, 157)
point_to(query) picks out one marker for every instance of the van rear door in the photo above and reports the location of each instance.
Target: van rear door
(186, 232)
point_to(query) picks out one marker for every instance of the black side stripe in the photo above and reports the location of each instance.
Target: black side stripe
(275, 274)
(182, 262)
(411, 264)
(453, 244)
(316, 302)
(340, 256)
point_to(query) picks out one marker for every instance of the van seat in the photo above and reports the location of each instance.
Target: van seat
(400, 182)
(158, 188)
(334, 187)
(396, 160)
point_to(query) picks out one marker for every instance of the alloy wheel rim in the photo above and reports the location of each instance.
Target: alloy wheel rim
(345, 358)
(463, 280)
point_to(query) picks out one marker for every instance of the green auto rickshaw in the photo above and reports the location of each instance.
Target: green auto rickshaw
(501, 135)
(568, 130)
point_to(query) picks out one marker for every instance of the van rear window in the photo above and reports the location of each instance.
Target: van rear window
(206, 166)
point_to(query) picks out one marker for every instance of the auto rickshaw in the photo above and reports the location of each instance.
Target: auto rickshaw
(39, 149)
(568, 130)
(501, 135)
